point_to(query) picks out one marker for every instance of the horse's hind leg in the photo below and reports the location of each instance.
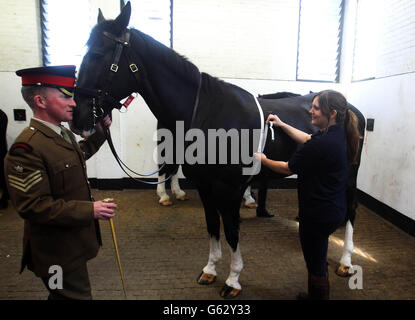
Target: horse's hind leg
(161, 192)
(249, 200)
(346, 259)
(175, 188)
(352, 201)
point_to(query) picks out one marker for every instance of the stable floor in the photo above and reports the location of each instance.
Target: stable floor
(163, 250)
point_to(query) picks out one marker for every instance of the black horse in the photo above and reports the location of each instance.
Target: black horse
(121, 61)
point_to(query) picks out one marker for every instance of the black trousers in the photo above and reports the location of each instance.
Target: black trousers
(314, 238)
(75, 285)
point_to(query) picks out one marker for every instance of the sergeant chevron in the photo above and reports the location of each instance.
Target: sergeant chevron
(24, 184)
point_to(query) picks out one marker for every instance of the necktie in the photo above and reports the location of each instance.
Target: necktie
(65, 135)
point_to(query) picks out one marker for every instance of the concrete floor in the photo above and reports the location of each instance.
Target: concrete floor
(163, 250)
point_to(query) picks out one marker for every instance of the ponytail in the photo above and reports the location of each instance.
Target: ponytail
(330, 100)
(352, 136)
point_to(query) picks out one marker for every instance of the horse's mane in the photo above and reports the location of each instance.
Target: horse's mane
(168, 56)
(165, 55)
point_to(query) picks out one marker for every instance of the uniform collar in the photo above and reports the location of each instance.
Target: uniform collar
(54, 127)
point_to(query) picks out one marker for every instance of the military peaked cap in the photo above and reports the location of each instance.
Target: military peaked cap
(60, 77)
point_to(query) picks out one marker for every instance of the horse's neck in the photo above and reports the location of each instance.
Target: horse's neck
(171, 84)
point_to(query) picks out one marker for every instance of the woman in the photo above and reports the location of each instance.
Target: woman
(322, 166)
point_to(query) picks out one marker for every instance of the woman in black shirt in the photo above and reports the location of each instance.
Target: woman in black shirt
(322, 166)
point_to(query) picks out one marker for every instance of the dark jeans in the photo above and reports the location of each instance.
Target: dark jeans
(314, 238)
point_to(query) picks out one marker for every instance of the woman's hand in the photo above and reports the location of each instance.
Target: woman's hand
(260, 156)
(275, 120)
(277, 166)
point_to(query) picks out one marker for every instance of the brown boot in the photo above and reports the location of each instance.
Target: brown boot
(304, 295)
(318, 288)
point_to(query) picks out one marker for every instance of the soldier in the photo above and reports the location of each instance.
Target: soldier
(4, 195)
(47, 181)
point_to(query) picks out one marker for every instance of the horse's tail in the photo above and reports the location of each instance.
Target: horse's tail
(351, 192)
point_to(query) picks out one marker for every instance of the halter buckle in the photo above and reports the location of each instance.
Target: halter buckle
(114, 67)
(133, 68)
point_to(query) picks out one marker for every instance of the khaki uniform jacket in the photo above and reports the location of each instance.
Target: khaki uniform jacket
(47, 180)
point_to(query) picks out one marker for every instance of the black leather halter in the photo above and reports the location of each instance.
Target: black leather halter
(102, 95)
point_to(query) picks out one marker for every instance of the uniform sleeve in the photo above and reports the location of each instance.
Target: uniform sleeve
(29, 187)
(92, 144)
(306, 158)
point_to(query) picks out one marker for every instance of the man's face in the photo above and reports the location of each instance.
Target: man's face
(59, 107)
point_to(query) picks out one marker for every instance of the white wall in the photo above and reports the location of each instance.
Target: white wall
(239, 38)
(388, 164)
(387, 171)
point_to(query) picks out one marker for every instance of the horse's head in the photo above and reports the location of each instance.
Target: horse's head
(99, 87)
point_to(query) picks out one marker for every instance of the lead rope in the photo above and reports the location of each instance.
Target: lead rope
(123, 166)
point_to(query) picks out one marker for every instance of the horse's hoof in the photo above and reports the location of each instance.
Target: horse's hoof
(343, 271)
(166, 203)
(251, 205)
(206, 278)
(183, 198)
(229, 292)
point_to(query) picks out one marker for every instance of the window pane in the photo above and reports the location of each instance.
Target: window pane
(65, 31)
(319, 40)
(366, 39)
(153, 18)
(385, 38)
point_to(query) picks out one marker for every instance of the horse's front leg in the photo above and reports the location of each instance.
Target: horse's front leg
(209, 274)
(233, 287)
(175, 188)
(346, 259)
(161, 192)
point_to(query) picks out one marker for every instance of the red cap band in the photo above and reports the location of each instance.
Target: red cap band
(32, 79)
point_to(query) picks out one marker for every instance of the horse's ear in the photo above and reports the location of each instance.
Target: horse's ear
(100, 16)
(123, 19)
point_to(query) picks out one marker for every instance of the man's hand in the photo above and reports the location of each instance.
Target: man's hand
(107, 122)
(104, 210)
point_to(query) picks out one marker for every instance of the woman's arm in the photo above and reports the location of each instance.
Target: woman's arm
(295, 134)
(277, 166)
